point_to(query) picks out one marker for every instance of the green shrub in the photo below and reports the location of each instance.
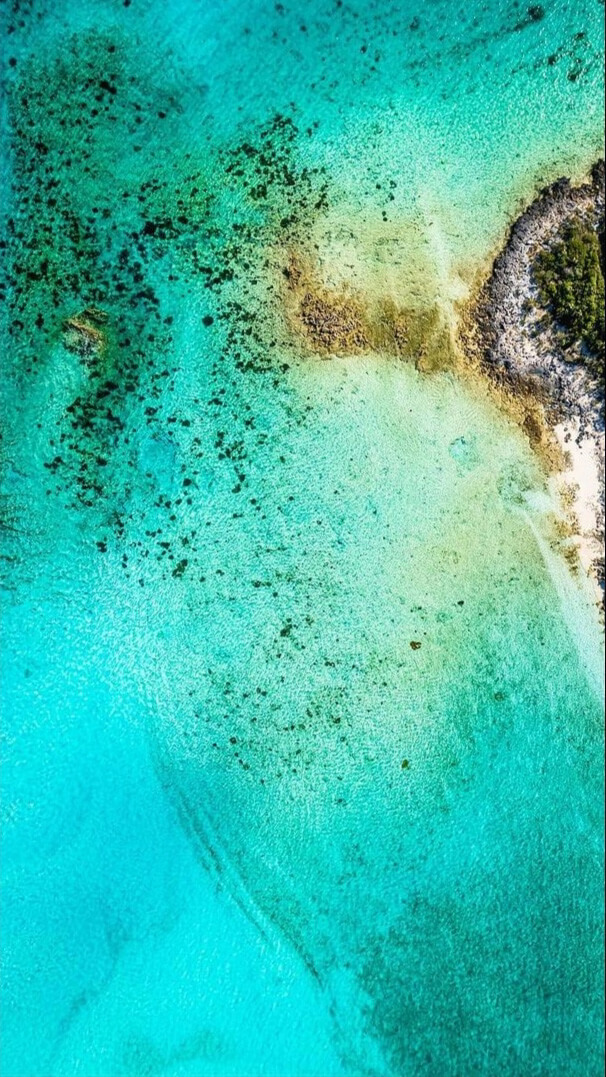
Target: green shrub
(571, 286)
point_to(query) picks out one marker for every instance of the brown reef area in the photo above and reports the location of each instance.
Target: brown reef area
(330, 321)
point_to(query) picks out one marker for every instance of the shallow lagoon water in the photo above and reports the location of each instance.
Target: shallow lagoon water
(249, 828)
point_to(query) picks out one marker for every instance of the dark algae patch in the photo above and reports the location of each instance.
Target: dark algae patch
(79, 250)
(571, 285)
(109, 238)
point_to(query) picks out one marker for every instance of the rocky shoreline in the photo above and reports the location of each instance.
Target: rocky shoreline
(520, 347)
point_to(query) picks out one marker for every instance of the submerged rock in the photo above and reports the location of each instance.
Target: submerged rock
(82, 333)
(333, 323)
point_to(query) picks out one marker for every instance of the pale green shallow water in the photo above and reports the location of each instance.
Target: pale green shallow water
(216, 862)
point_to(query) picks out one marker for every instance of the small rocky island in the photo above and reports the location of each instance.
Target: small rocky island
(538, 324)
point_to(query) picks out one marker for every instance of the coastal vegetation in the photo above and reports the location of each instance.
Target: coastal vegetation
(570, 278)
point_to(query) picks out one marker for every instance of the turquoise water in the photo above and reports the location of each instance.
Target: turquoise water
(248, 828)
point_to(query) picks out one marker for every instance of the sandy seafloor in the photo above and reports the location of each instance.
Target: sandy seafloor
(248, 829)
